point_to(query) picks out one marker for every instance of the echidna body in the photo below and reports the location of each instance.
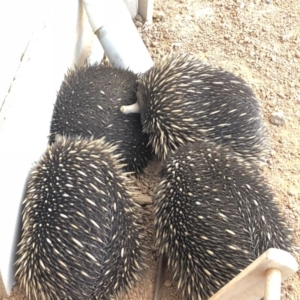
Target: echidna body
(88, 105)
(183, 100)
(81, 235)
(214, 214)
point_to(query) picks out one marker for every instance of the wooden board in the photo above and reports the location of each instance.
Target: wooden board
(250, 283)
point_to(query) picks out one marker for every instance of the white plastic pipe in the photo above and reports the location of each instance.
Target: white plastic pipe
(112, 23)
(129, 109)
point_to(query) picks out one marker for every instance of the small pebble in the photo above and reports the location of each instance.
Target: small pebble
(272, 103)
(168, 283)
(200, 13)
(138, 24)
(292, 193)
(278, 118)
(154, 44)
(176, 45)
(158, 15)
(139, 18)
(143, 199)
(291, 287)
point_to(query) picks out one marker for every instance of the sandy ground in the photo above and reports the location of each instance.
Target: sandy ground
(259, 41)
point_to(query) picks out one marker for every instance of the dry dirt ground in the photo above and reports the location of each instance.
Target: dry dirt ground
(259, 41)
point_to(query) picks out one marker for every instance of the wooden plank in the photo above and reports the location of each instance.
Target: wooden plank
(273, 284)
(250, 283)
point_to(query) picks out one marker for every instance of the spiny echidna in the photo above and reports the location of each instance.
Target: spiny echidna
(183, 100)
(214, 214)
(81, 236)
(88, 105)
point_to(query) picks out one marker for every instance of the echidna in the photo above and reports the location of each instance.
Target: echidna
(182, 100)
(81, 236)
(88, 105)
(214, 214)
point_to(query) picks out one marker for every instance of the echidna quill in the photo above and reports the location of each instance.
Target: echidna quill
(183, 100)
(214, 214)
(81, 235)
(88, 105)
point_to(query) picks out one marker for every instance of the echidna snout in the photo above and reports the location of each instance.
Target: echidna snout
(81, 233)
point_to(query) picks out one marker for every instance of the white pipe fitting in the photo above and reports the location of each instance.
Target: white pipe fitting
(121, 42)
(130, 109)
